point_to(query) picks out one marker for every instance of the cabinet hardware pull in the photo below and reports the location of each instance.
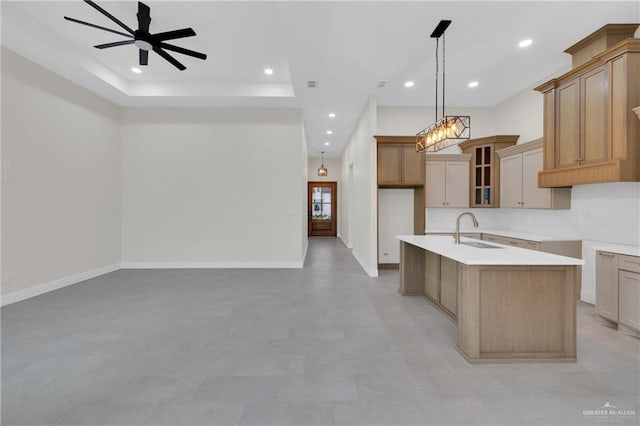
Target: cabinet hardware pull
(607, 254)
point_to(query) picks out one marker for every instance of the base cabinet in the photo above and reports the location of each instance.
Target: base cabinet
(618, 288)
(441, 282)
(607, 285)
(629, 302)
(449, 285)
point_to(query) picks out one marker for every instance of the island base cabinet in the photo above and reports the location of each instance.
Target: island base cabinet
(449, 285)
(432, 276)
(517, 314)
(411, 270)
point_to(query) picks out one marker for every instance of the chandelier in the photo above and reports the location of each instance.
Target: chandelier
(447, 130)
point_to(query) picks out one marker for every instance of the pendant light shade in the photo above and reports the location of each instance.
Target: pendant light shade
(447, 130)
(322, 171)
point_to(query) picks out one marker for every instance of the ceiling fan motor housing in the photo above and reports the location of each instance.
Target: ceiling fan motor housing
(142, 40)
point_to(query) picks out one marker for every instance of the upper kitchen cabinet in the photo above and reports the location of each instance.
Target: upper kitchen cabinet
(519, 167)
(447, 183)
(485, 168)
(590, 130)
(398, 162)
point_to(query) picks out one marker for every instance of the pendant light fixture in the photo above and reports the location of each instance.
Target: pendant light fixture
(322, 171)
(447, 130)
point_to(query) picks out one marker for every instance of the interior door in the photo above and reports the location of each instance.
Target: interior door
(322, 211)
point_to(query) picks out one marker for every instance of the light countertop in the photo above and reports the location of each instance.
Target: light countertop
(617, 248)
(468, 255)
(510, 234)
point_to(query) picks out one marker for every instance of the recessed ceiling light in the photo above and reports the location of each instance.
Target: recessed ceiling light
(409, 84)
(327, 143)
(332, 115)
(268, 71)
(136, 70)
(525, 43)
(329, 132)
(473, 84)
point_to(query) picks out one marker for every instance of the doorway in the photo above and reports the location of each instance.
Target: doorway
(322, 209)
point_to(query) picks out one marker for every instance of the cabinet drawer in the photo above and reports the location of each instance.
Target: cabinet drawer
(629, 263)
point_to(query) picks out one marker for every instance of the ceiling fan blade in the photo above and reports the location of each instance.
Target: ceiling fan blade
(144, 17)
(144, 57)
(171, 35)
(114, 44)
(108, 15)
(169, 58)
(182, 50)
(97, 26)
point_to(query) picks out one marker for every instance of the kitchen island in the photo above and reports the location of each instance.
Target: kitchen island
(510, 304)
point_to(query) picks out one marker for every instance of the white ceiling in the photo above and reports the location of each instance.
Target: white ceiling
(347, 47)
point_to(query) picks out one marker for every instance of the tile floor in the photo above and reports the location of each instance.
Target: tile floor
(322, 345)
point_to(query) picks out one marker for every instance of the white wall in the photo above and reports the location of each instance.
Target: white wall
(395, 217)
(303, 194)
(334, 169)
(61, 185)
(213, 187)
(607, 213)
(361, 222)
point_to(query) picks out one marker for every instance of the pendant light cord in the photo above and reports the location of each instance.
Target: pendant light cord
(437, 40)
(443, 74)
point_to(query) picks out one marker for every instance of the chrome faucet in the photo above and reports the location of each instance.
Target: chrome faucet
(456, 237)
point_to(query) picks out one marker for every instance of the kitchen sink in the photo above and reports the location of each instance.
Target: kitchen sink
(478, 244)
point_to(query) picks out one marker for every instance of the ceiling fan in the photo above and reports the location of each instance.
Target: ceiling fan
(142, 38)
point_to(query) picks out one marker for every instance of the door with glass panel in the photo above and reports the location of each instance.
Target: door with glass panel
(322, 208)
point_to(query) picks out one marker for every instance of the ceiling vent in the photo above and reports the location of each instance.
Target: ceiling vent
(312, 84)
(381, 84)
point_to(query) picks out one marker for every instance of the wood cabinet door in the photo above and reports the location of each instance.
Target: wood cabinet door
(435, 184)
(549, 135)
(532, 196)
(594, 116)
(449, 284)
(389, 156)
(456, 184)
(629, 287)
(432, 276)
(412, 165)
(607, 285)
(511, 181)
(568, 124)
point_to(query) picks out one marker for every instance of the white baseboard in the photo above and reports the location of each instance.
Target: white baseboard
(39, 289)
(344, 242)
(304, 253)
(369, 271)
(212, 265)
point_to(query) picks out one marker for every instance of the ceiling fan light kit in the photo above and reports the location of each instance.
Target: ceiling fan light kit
(447, 130)
(142, 38)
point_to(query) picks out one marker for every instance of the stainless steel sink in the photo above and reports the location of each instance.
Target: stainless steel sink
(478, 244)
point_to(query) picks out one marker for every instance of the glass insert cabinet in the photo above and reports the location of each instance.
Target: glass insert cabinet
(485, 168)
